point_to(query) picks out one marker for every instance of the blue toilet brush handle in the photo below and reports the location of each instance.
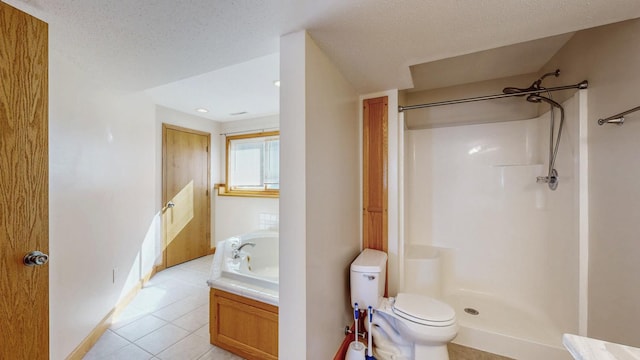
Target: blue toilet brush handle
(356, 314)
(369, 355)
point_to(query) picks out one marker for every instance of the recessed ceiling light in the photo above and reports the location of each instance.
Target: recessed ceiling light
(276, 83)
(238, 113)
(202, 110)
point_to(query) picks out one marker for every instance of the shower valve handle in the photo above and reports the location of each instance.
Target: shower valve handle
(542, 179)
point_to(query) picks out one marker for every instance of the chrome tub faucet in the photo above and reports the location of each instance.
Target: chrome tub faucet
(236, 251)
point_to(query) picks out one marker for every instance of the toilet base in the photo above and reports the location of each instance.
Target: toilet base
(431, 352)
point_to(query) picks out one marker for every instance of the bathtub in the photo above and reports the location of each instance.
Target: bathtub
(504, 329)
(244, 290)
(254, 274)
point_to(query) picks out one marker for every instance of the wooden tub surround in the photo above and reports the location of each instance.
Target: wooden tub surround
(243, 326)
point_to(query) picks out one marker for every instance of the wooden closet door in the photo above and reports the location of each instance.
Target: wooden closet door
(24, 185)
(375, 173)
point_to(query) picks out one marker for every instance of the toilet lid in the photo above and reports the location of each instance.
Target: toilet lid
(424, 310)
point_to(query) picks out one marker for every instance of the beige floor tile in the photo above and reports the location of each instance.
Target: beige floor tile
(140, 327)
(180, 288)
(219, 354)
(195, 319)
(129, 352)
(459, 352)
(160, 339)
(153, 298)
(129, 315)
(191, 347)
(189, 276)
(168, 319)
(203, 331)
(108, 343)
(202, 264)
(180, 308)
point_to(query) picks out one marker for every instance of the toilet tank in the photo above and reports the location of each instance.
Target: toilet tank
(368, 274)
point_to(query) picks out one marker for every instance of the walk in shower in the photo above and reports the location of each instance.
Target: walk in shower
(511, 252)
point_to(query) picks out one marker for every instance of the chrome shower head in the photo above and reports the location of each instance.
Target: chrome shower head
(536, 85)
(534, 98)
(515, 90)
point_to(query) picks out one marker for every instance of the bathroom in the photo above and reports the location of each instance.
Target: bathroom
(468, 189)
(319, 208)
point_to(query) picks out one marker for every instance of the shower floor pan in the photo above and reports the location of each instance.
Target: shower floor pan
(504, 329)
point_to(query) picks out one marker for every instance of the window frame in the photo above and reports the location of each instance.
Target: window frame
(226, 189)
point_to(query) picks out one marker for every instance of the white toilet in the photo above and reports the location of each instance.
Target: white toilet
(427, 323)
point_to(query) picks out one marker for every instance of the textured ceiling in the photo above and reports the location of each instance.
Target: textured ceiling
(246, 88)
(375, 42)
(145, 44)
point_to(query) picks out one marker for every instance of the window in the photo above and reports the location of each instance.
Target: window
(253, 164)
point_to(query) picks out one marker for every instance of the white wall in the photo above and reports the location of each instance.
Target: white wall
(333, 198)
(172, 117)
(103, 212)
(263, 123)
(237, 215)
(320, 217)
(102, 186)
(608, 57)
(292, 317)
(105, 196)
(471, 191)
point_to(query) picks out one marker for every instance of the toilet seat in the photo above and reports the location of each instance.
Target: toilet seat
(423, 310)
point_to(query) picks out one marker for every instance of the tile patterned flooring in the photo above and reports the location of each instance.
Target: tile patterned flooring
(459, 352)
(168, 319)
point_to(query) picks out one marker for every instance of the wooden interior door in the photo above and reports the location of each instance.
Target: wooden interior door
(375, 173)
(24, 185)
(186, 184)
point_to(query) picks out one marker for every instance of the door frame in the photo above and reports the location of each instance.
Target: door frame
(164, 198)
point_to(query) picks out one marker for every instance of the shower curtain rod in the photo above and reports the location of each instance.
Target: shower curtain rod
(617, 118)
(581, 85)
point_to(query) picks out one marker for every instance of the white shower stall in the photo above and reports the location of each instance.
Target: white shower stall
(504, 246)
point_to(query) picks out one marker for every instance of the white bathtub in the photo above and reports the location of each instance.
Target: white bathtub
(254, 274)
(505, 329)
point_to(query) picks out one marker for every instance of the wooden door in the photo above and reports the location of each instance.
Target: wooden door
(375, 175)
(24, 184)
(186, 183)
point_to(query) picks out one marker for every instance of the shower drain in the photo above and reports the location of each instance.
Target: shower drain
(471, 311)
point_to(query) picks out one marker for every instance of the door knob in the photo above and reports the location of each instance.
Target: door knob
(35, 258)
(171, 204)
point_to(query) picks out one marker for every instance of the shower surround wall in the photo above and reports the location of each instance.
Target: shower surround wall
(471, 191)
